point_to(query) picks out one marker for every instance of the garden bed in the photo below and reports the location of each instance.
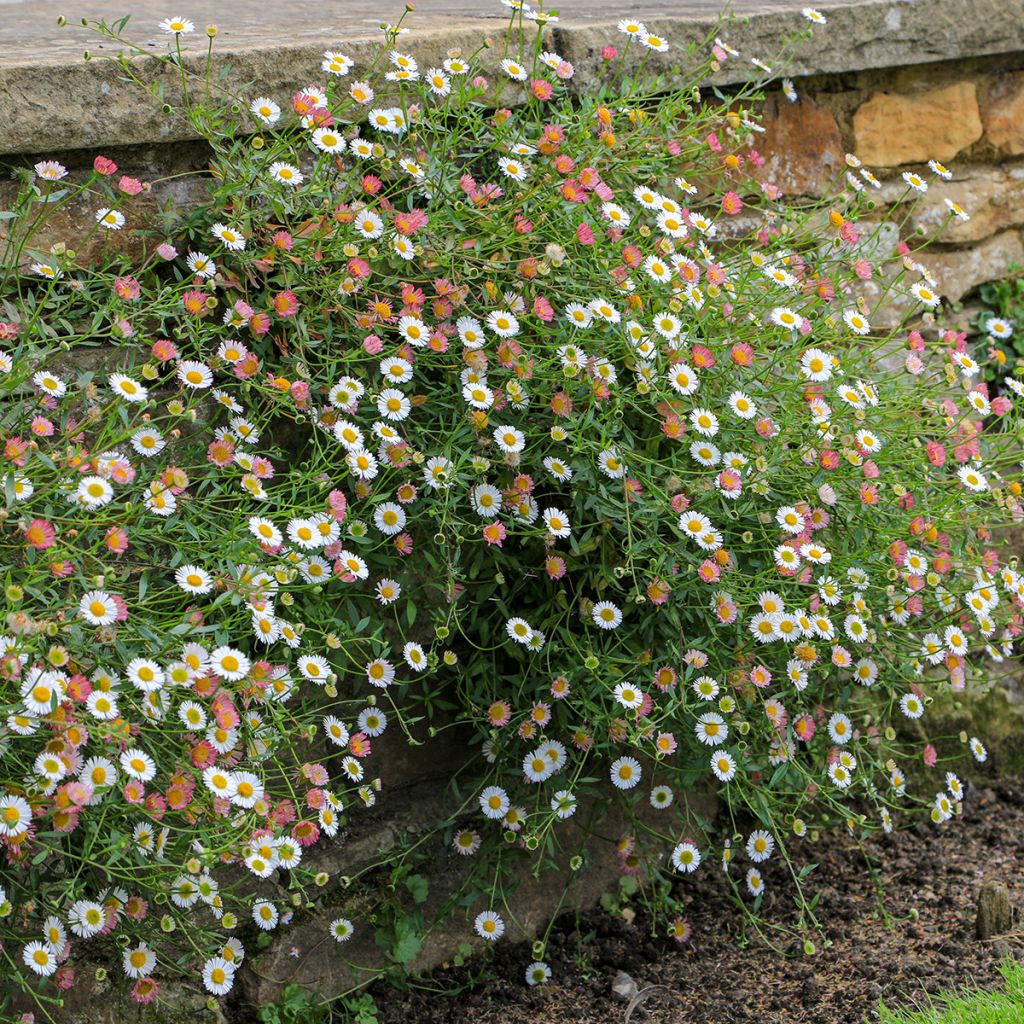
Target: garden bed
(879, 950)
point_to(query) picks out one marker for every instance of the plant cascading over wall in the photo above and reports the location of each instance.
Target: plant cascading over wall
(551, 422)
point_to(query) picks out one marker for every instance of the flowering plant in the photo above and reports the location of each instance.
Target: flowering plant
(553, 411)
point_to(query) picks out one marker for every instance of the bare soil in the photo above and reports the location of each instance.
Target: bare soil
(913, 935)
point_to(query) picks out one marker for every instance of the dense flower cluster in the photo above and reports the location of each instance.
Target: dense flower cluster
(553, 410)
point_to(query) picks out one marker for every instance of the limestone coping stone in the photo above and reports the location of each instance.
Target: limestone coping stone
(53, 100)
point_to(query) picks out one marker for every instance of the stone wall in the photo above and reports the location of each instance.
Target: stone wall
(968, 114)
(895, 83)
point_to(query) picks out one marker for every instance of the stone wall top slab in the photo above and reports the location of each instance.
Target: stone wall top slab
(54, 100)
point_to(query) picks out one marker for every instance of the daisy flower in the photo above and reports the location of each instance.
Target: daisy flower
(265, 915)
(925, 295)
(438, 82)
(998, 328)
(856, 322)
(606, 615)
(50, 384)
(723, 764)
(218, 976)
(628, 695)
(514, 70)
(557, 522)
(784, 317)
(661, 797)
(112, 220)
(972, 479)
(915, 181)
(380, 673)
(327, 140)
(15, 815)
(683, 379)
(494, 802)
(538, 973)
(335, 63)
(711, 729)
(98, 608)
(686, 857)
(128, 389)
(265, 109)
(632, 28)
(503, 323)
(514, 169)
(39, 958)
(286, 173)
(625, 772)
(137, 764)
(195, 375)
(50, 170)
(231, 238)
(144, 674)
(742, 405)
(177, 26)
(229, 663)
(816, 365)
(489, 925)
(138, 961)
(519, 630)
(415, 656)
(911, 706)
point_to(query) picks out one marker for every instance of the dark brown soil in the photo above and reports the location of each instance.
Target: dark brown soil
(914, 936)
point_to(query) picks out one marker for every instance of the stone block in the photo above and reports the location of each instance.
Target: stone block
(892, 129)
(993, 196)
(801, 145)
(1002, 113)
(958, 272)
(325, 968)
(74, 224)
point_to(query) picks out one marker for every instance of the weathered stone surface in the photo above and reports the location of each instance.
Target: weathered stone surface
(324, 968)
(74, 223)
(994, 712)
(280, 50)
(802, 147)
(1002, 113)
(992, 196)
(961, 271)
(995, 911)
(892, 129)
(109, 1001)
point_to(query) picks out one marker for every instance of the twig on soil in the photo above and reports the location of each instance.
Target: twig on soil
(1014, 937)
(639, 998)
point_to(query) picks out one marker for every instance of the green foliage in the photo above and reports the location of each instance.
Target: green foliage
(361, 1009)
(1005, 299)
(1004, 1006)
(299, 1006)
(548, 429)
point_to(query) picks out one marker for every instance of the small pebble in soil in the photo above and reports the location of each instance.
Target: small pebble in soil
(624, 988)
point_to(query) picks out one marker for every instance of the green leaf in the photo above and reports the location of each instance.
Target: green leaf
(418, 887)
(406, 948)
